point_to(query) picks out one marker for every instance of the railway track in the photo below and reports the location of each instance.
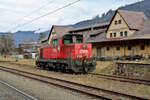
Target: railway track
(90, 91)
(110, 77)
(16, 93)
(123, 79)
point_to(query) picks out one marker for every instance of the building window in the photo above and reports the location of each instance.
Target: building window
(125, 33)
(119, 21)
(53, 32)
(107, 48)
(121, 33)
(142, 47)
(129, 48)
(115, 34)
(115, 22)
(110, 34)
(118, 48)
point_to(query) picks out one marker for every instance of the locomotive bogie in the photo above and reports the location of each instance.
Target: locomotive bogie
(75, 65)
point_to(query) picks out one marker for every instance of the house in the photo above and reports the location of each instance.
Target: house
(127, 35)
(28, 49)
(57, 31)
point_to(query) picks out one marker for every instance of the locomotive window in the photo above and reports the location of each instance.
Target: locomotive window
(54, 42)
(72, 39)
(79, 41)
(67, 41)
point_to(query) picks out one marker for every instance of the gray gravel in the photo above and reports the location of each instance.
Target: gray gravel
(10, 93)
(39, 90)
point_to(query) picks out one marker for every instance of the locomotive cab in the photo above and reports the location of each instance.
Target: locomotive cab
(72, 38)
(79, 54)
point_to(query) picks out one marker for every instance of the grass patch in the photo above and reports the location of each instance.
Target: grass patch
(144, 90)
(105, 67)
(20, 60)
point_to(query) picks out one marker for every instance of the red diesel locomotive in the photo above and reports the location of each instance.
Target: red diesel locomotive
(67, 53)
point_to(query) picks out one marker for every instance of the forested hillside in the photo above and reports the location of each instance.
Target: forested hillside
(105, 17)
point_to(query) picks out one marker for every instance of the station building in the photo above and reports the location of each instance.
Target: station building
(128, 35)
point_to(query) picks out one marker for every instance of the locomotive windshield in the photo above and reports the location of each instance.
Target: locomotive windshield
(69, 39)
(54, 43)
(79, 39)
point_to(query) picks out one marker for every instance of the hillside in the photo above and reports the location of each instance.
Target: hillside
(105, 17)
(26, 36)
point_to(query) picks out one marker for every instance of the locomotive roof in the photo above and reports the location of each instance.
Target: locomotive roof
(60, 36)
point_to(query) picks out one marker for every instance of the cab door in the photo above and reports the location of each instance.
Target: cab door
(98, 52)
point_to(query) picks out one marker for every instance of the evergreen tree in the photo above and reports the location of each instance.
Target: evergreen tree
(41, 36)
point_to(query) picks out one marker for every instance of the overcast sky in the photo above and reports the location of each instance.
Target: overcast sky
(17, 12)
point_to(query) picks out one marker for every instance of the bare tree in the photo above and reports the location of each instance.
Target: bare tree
(6, 43)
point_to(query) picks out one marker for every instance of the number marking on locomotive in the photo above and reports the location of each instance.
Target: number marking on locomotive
(83, 51)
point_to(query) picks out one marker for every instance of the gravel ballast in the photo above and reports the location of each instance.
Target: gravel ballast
(8, 92)
(39, 90)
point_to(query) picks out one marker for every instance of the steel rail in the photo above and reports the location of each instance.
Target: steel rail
(122, 79)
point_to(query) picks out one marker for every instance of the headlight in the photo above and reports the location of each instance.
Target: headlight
(84, 46)
(77, 56)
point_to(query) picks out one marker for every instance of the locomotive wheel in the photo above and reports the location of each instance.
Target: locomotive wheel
(50, 66)
(39, 65)
(63, 68)
(84, 69)
(43, 65)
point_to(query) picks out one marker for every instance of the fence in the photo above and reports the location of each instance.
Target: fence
(133, 69)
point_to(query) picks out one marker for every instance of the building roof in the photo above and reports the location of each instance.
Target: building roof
(143, 33)
(60, 30)
(43, 44)
(89, 27)
(28, 43)
(100, 36)
(98, 31)
(134, 19)
(30, 50)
